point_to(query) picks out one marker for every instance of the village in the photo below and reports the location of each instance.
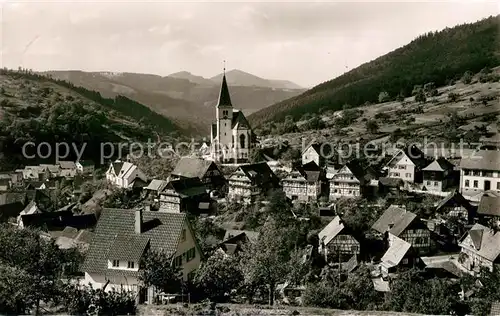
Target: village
(438, 215)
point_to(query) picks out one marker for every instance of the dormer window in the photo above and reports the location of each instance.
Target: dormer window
(116, 263)
(131, 265)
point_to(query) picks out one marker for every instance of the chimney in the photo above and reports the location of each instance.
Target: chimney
(138, 221)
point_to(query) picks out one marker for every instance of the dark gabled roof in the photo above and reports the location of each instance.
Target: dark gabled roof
(224, 97)
(477, 236)
(232, 235)
(363, 175)
(162, 229)
(489, 205)
(454, 199)
(439, 164)
(403, 223)
(310, 171)
(186, 187)
(239, 120)
(86, 163)
(117, 167)
(192, 167)
(260, 173)
(45, 219)
(392, 215)
(127, 247)
(482, 240)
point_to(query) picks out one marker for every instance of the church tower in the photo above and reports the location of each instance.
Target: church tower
(224, 116)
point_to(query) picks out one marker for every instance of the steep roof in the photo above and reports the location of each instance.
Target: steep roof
(396, 252)
(67, 165)
(163, 231)
(413, 153)
(483, 160)
(331, 230)
(156, 185)
(361, 174)
(258, 172)
(489, 205)
(239, 121)
(454, 199)
(232, 233)
(127, 247)
(186, 187)
(310, 171)
(439, 164)
(483, 241)
(224, 97)
(403, 223)
(391, 216)
(192, 167)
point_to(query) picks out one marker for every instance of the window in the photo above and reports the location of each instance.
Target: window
(436, 183)
(428, 183)
(401, 167)
(178, 261)
(404, 261)
(467, 183)
(408, 175)
(487, 174)
(466, 172)
(116, 263)
(498, 185)
(242, 141)
(475, 183)
(130, 264)
(190, 254)
(183, 236)
(476, 173)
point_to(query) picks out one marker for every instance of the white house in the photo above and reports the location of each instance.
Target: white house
(121, 239)
(68, 169)
(123, 174)
(319, 153)
(480, 248)
(480, 172)
(407, 165)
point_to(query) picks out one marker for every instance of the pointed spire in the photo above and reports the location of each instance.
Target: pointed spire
(224, 98)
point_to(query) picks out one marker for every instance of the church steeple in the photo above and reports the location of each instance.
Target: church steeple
(224, 98)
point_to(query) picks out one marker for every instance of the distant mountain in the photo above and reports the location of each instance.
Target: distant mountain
(178, 97)
(240, 78)
(434, 57)
(193, 78)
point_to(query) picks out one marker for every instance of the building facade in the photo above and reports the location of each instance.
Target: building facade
(407, 165)
(250, 181)
(480, 173)
(304, 183)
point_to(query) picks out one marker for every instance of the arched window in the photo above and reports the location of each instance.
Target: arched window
(242, 141)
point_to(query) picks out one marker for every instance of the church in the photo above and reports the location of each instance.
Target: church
(231, 135)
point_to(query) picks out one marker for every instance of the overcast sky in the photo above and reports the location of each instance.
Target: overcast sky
(307, 43)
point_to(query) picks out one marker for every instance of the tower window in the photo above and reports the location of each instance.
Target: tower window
(242, 140)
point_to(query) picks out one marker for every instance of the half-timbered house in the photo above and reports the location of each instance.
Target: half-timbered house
(305, 183)
(252, 180)
(352, 180)
(207, 171)
(183, 195)
(336, 242)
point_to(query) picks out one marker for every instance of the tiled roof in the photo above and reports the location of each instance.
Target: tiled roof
(403, 223)
(495, 308)
(162, 229)
(454, 199)
(156, 185)
(482, 160)
(413, 153)
(186, 187)
(239, 121)
(67, 164)
(391, 216)
(489, 205)
(127, 247)
(231, 233)
(483, 241)
(396, 252)
(192, 167)
(258, 173)
(331, 230)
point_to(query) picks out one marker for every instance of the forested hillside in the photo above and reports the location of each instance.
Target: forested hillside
(37, 109)
(437, 57)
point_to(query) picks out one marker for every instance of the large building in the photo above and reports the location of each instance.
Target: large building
(231, 134)
(480, 173)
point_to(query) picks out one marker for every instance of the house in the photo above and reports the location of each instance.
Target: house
(235, 239)
(31, 208)
(407, 164)
(121, 239)
(11, 205)
(398, 255)
(207, 171)
(480, 247)
(183, 195)
(438, 175)
(396, 222)
(85, 167)
(352, 180)
(156, 186)
(479, 173)
(390, 186)
(54, 170)
(123, 174)
(489, 210)
(251, 180)
(231, 135)
(456, 205)
(68, 169)
(35, 173)
(335, 241)
(321, 154)
(305, 183)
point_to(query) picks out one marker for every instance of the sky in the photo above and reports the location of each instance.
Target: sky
(304, 42)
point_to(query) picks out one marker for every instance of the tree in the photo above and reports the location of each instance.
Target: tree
(420, 97)
(372, 126)
(467, 77)
(262, 262)
(383, 96)
(453, 97)
(400, 97)
(218, 276)
(158, 270)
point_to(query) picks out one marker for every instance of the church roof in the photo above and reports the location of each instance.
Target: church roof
(224, 98)
(239, 121)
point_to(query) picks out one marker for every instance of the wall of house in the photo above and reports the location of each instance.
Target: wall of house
(116, 283)
(473, 261)
(182, 249)
(420, 239)
(296, 188)
(310, 155)
(170, 202)
(474, 180)
(434, 185)
(345, 244)
(340, 189)
(404, 169)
